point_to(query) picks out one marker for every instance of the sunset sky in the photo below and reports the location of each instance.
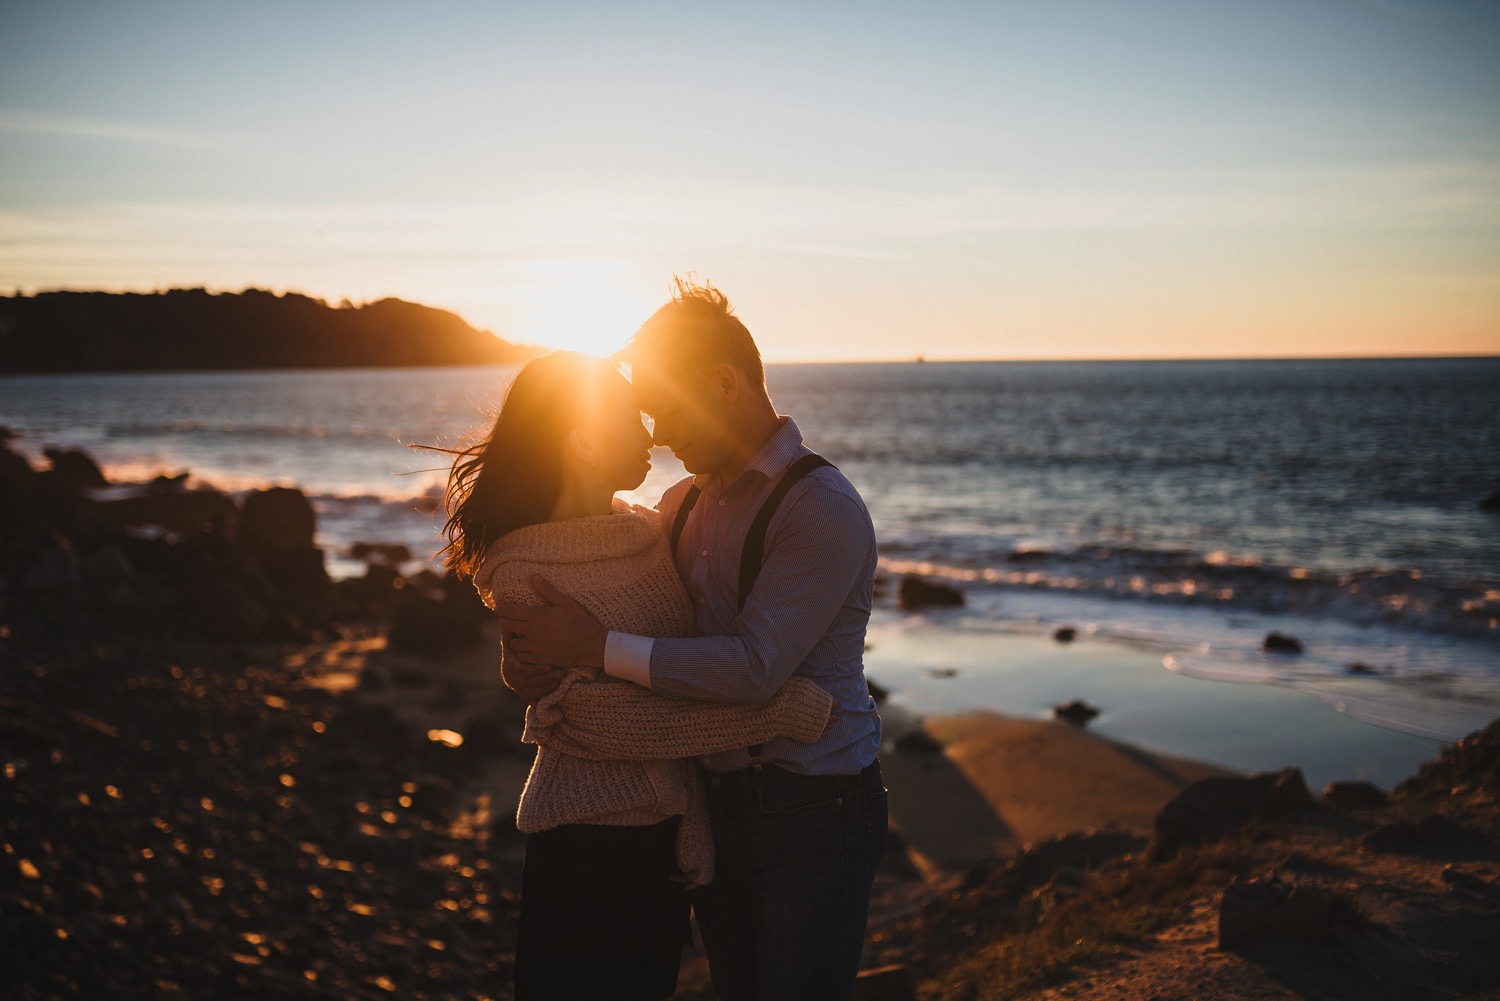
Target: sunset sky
(865, 180)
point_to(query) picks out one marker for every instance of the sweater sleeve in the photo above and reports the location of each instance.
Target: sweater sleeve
(612, 720)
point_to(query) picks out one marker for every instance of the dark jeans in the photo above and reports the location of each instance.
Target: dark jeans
(784, 918)
(601, 916)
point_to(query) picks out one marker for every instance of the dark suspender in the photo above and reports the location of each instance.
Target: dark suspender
(753, 552)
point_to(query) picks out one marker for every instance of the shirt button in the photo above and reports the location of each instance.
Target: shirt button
(702, 601)
(703, 553)
(721, 502)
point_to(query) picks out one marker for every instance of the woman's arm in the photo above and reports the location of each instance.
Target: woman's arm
(616, 720)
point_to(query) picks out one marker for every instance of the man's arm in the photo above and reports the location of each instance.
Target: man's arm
(826, 543)
(560, 632)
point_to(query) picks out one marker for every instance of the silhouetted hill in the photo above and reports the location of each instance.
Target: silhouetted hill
(196, 329)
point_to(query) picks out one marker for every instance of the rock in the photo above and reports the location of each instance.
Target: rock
(1432, 834)
(276, 518)
(1360, 667)
(1490, 503)
(1280, 643)
(389, 553)
(174, 510)
(74, 471)
(276, 529)
(1029, 555)
(1354, 795)
(1211, 809)
(877, 691)
(942, 673)
(1065, 634)
(885, 983)
(1471, 764)
(163, 483)
(1461, 880)
(1077, 712)
(918, 742)
(1257, 908)
(1040, 862)
(917, 594)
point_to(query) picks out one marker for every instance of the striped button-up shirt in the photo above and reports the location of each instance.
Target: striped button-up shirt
(806, 614)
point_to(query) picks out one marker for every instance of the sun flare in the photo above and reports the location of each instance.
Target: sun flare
(580, 305)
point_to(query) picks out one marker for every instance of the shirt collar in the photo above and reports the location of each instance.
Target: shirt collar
(772, 458)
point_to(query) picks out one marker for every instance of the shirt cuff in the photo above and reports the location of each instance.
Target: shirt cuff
(628, 657)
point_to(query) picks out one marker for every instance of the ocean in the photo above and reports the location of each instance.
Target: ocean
(1187, 507)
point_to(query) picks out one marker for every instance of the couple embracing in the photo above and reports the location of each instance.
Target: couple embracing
(705, 736)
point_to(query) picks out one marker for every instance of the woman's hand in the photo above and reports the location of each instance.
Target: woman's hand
(532, 682)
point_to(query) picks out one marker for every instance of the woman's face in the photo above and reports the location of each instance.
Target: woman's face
(622, 445)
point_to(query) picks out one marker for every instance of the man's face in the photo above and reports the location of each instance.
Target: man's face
(688, 417)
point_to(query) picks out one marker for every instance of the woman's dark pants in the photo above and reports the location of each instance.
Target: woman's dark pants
(601, 916)
(784, 919)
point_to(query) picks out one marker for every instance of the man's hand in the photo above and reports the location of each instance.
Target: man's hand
(560, 632)
(530, 681)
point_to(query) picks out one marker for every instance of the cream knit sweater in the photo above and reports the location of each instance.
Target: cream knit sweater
(612, 752)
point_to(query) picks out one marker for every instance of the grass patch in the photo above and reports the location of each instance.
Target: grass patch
(1053, 935)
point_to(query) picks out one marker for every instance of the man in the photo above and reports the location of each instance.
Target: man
(798, 828)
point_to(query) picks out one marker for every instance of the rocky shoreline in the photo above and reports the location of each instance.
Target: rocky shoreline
(192, 810)
(225, 775)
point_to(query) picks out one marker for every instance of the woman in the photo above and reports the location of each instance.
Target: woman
(613, 814)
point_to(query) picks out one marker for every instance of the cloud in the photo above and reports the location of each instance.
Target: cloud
(116, 129)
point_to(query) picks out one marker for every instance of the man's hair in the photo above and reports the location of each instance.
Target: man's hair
(694, 332)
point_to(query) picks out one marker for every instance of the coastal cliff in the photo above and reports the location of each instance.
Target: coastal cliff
(194, 329)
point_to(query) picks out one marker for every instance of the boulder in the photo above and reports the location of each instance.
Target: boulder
(1354, 795)
(1065, 634)
(174, 510)
(917, 593)
(1434, 834)
(276, 529)
(1473, 764)
(1258, 908)
(1211, 809)
(1490, 503)
(1077, 712)
(73, 471)
(389, 553)
(1280, 643)
(276, 518)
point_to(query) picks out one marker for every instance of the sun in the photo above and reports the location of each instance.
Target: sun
(585, 305)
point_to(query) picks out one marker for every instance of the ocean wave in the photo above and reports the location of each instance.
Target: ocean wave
(1222, 580)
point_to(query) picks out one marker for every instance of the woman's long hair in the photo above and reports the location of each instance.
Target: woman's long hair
(512, 477)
